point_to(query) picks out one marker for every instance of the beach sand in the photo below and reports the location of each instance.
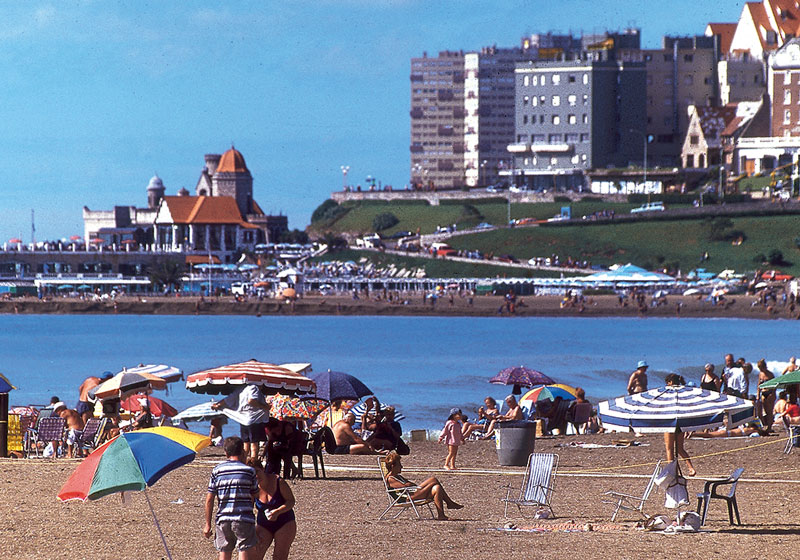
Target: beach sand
(337, 517)
(482, 306)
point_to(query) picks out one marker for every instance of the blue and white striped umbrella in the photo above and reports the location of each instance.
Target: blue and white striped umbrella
(668, 408)
(169, 374)
(361, 408)
(198, 413)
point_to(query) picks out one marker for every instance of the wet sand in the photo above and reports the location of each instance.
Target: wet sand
(337, 517)
(482, 306)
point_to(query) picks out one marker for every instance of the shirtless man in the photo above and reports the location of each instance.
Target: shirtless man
(638, 381)
(74, 428)
(85, 407)
(347, 441)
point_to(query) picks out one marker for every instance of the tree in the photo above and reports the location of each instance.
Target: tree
(384, 221)
(334, 242)
(716, 228)
(469, 214)
(775, 257)
(167, 273)
(294, 236)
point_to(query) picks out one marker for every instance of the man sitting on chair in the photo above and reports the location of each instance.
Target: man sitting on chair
(347, 441)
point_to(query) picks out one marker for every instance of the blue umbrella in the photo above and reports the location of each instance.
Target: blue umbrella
(672, 407)
(5, 384)
(333, 385)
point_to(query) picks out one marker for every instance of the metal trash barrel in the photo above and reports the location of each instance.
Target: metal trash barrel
(515, 442)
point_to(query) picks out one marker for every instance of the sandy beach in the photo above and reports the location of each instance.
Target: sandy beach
(337, 517)
(482, 306)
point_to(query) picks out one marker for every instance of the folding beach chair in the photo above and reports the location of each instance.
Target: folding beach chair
(580, 416)
(710, 491)
(49, 429)
(629, 502)
(537, 485)
(793, 433)
(400, 498)
(92, 433)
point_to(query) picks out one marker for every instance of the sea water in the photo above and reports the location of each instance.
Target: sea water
(422, 365)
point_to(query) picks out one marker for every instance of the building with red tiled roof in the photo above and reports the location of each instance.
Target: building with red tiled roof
(765, 26)
(702, 146)
(725, 31)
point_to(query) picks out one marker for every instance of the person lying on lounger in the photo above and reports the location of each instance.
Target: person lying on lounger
(746, 430)
(431, 488)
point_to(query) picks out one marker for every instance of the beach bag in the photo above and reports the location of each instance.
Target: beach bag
(674, 486)
(656, 523)
(689, 520)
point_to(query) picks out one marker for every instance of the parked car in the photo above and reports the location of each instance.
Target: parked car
(649, 207)
(507, 259)
(776, 276)
(484, 225)
(494, 188)
(399, 235)
(516, 189)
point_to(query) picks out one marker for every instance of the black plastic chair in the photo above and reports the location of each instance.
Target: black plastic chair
(710, 491)
(314, 449)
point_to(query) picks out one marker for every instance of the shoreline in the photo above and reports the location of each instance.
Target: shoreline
(736, 307)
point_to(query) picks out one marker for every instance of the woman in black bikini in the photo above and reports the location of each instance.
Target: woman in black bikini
(275, 521)
(710, 381)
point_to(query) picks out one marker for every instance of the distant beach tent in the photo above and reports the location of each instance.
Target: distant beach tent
(667, 409)
(226, 379)
(628, 273)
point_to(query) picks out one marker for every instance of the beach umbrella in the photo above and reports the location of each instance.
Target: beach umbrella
(285, 407)
(549, 393)
(75, 237)
(126, 383)
(170, 374)
(97, 241)
(792, 378)
(133, 461)
(156, 405)
(226, 379)
(670, 408)
(15, 240)
(520, 376)
(361, 408)
(335, 385)
(5, 384)
(198, 413)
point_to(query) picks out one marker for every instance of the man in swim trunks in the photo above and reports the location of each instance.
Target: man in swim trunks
(85, 403)
(75, 426)
(347, 441)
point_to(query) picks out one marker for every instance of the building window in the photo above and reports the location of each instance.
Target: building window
(572, 78)
(787, 97)
(542, 100)
(668, 81)
(584, 137)
(525, 100)
(571, 138)
(667, 58)
(585, 99)
(553, 161)
(526, 80)
(572, 100)
(585, 119)
(535, 80)
(556, 119)
(787, 78)
(689, 160)
(694, 140)
(541, 119)
(585, 79)
(648, 57)
(534, 101)
(688, 80)
(524, 119)
(556, 101)
(556, 79)
(576, 159)
(554, 139)
(688, 57)
(526, 161)
(537, 138)
(787, 116)
(571, 119)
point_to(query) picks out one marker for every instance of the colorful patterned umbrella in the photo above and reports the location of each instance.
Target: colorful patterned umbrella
(520, 376)
(170, 374)
(549, 393)
(284, 406)
(133, 461)
(226, 379)
(157, 406)
(673, 407)
(198, 413)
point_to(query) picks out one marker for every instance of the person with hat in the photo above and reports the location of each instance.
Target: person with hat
(638, 381)
(453, 437)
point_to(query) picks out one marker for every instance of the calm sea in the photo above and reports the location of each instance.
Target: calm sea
(423, 365)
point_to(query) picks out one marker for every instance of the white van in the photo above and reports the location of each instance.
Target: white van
(238, 288)
(369, 242)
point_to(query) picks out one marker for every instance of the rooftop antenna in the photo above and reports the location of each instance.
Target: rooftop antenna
(33, 228)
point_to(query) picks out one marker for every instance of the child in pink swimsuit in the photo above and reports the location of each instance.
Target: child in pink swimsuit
(452, 437)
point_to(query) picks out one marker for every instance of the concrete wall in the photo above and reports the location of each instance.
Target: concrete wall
(435, 197)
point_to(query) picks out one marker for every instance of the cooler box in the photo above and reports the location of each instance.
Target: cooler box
(515, 442)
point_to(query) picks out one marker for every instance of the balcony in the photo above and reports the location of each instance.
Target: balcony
(445, 130)
(458, 77)
(550, 148)
(416, 77)
(519, 148)
(416, 149)
(445, 165)
(417, 113)
(459, 113)
(458, 148)
(445, 95)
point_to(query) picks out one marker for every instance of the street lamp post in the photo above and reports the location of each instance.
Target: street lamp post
(345, 169)
(483, 172)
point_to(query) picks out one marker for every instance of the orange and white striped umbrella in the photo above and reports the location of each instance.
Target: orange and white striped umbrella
(225, 379)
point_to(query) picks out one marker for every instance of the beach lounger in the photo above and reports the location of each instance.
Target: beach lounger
(537, 485)
(710, 491)
(629, 502)
(793, 433)
(92, 433)
(48, 429)
(580, 416)
(400, 498)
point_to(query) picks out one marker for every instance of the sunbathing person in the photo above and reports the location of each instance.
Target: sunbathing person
(468, 428)
(347, 441)
(431, 488)
(745, 430)
(780, 405)
(514, 413)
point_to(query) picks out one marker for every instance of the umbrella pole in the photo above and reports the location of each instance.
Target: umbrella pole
(158, 527)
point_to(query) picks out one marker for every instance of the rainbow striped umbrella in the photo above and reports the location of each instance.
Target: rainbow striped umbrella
(549, 393)
(133, 461)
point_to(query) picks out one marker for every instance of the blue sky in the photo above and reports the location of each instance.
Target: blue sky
(97, 96)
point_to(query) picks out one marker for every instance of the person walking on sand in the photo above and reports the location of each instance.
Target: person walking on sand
(250, 408)
(674, 440)
(234, 485)
(453, 437)
(638, 380)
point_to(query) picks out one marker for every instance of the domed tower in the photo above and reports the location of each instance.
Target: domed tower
(232, 178)
(155, 192)
(183, 192)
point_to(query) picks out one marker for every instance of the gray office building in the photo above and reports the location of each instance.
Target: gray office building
(574, 115)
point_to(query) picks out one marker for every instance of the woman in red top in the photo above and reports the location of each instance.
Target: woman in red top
(793, 410)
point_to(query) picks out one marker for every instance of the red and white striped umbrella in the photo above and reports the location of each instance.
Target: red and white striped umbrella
(226, 379)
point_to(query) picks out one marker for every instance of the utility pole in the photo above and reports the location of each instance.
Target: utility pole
(33, 229)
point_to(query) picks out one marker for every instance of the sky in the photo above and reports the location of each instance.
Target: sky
(97, 96)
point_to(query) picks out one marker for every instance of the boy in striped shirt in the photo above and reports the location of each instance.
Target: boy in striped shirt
(234, 484)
